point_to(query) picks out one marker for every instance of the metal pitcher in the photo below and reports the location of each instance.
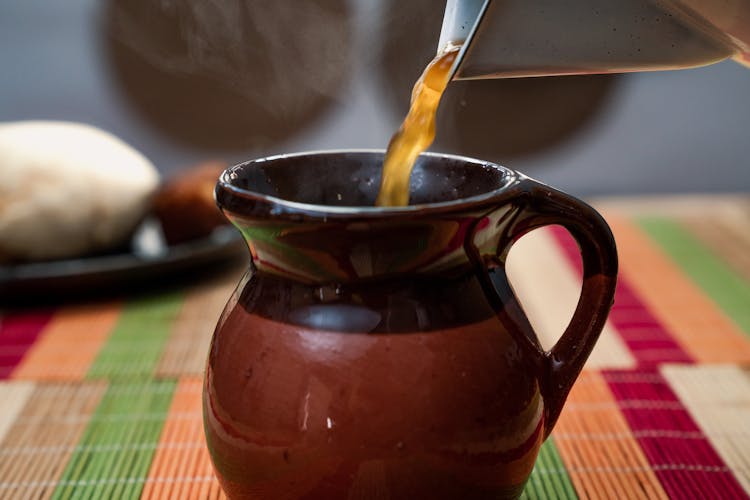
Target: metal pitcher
(519, 38)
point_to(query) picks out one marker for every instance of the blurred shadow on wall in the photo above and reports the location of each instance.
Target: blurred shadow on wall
(231, 75)
(490, 119)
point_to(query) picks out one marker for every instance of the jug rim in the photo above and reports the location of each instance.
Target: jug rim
(224, 187)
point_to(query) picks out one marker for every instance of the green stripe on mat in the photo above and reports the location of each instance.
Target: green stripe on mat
(549, 479)
(137, 341)
(719, 281)
(113, 457)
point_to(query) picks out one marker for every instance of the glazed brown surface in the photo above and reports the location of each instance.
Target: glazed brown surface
(459, 404)
(374, 353)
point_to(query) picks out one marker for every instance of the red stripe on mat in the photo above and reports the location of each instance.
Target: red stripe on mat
(680, 454)
(642, 333)
(18, 332)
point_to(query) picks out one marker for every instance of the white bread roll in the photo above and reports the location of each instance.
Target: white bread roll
(68, 189)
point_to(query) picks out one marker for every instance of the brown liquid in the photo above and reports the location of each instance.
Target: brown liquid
(416, 132)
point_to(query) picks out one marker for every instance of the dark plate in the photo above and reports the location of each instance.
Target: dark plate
(148, 264)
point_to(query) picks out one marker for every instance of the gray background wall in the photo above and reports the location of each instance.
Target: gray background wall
(659, 132)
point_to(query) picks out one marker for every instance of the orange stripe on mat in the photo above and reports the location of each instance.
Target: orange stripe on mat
(694, 321)
(181, 467)
(69, 343)
(598, 448)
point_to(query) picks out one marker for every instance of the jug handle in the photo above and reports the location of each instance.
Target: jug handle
(540, 205)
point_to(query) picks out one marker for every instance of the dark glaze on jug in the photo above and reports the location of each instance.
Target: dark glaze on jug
(380, 353)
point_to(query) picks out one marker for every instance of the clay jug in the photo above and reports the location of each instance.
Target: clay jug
(380, 352)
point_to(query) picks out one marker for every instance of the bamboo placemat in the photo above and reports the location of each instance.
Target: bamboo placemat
(102, 400)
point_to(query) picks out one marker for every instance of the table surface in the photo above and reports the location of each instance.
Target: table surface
(102, 400)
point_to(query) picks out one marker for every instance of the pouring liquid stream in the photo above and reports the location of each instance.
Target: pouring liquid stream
(417, 130)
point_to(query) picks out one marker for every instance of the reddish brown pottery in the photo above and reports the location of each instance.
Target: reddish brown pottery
(380, 352)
